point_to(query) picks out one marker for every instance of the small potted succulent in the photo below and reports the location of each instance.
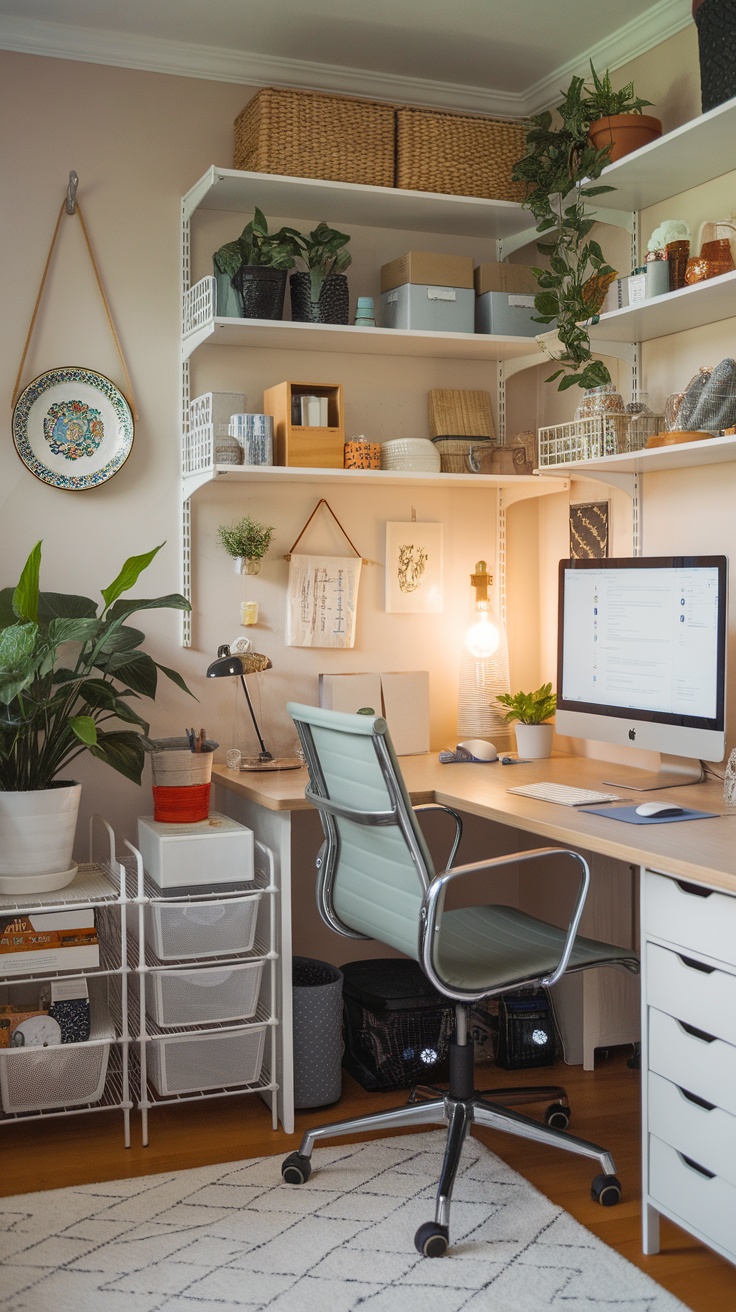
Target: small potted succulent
(615, 118)
(531, 710)
(255, 267)
(319, 293)
(247, 542)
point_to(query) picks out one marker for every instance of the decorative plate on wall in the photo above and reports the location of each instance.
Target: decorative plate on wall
(72, 428)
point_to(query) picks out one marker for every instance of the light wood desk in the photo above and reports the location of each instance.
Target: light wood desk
(670, 860)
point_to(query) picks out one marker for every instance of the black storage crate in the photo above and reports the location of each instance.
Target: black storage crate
(397, 1026)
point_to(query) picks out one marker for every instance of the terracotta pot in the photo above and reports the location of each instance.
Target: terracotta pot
(627, 132)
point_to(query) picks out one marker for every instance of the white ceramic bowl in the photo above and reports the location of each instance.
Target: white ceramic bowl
(413, 453)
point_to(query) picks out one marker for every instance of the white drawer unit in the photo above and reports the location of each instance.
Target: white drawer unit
(218, 1059)
(176, 998)
(201, 927)
(689, 1060)
(62, 1075)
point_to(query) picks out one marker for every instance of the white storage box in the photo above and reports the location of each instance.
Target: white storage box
(200, 997)
(189, 1063)
(212, 851)
(508, 314)
(418, 306)
(65, 1075)
(176, 931)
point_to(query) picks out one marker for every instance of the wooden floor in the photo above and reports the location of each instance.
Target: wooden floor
(50, 1153)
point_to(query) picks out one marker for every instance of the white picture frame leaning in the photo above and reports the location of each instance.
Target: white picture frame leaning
(414, 568)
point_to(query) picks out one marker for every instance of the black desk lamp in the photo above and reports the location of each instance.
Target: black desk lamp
(250, 662)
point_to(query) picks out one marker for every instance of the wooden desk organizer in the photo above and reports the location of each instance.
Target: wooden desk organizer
(297, 444)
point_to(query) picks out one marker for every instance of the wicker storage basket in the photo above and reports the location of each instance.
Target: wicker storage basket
(454, 452)
(309, 135)
(458, 154)
(453, 412)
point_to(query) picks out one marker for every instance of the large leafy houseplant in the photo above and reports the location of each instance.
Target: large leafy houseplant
(560, 171)
(67, 672)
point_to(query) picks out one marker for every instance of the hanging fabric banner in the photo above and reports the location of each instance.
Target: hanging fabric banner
(322, 601)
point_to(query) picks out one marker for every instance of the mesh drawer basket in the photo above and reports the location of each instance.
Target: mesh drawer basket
(176, 931)
(199, 997)
(191, 1063)
(599, 435)
(309, 135)
(459, 154)
(65, 1075)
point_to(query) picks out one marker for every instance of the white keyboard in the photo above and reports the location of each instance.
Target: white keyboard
(565, 795)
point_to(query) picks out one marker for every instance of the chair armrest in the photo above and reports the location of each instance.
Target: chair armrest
(432, 904)
(437, 806)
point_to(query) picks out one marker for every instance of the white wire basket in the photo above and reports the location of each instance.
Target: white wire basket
(177, 998)
(192, 1063)
(198, 308)
(176, 931)
(596, 436)
(64, 1075)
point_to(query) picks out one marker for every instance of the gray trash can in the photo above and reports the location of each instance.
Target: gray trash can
(317, 1000)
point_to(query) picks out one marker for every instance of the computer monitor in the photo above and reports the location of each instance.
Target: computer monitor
(641, 660)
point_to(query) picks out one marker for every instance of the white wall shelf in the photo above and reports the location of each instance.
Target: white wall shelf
(516, 487)
(675, 312)
(688, 455)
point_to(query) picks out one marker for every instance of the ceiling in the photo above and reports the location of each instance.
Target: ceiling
(485, 55)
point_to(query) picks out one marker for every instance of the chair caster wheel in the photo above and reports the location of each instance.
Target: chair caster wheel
(606, 1190)
(432, 1240)
(296, 1169)
(557, 1116)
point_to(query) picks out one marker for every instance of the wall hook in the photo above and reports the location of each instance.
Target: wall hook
(71, 193)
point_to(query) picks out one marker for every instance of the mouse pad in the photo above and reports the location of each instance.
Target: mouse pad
(629, 816)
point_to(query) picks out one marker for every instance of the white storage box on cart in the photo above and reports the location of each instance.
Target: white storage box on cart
(62, 1075)
(217, 1059)
(228, 991)
(213, 851)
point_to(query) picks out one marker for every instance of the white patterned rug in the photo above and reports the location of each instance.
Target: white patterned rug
(232, 1237)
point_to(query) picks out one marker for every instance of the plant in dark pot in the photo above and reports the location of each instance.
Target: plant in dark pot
(258, 263)
(319, 293)
(66, 673)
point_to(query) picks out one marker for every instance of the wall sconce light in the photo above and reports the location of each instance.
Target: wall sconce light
(237, 666)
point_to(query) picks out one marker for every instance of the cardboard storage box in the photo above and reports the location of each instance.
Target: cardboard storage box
(212, 851)
(420, 307)
(505, 300)
(427, 267)
(40, 941)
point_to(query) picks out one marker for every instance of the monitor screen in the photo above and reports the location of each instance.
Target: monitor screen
(642, 653)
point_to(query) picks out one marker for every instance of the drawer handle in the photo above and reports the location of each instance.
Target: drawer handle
(701, 1170)
(696, 965)
(693, 1097)
(695, 890)
(696, 1033)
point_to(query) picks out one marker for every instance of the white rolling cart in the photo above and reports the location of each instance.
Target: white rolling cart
(205, 991)
(66, 1079)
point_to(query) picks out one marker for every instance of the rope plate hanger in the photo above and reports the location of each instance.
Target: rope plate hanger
(72, 427)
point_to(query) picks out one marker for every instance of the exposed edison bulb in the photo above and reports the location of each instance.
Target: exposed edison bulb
(483, 638)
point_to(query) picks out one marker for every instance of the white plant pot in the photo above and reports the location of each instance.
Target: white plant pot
(534, 741)
(247, 565)
(37, 837)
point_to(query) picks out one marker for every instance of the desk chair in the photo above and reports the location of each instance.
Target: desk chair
(376, 880)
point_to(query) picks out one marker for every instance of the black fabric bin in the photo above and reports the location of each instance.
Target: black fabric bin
(397, 1026)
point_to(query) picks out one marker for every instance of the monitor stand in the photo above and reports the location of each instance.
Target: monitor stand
(673, 771)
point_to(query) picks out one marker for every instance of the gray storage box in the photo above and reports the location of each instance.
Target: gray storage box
(508, 314)
(419, 306)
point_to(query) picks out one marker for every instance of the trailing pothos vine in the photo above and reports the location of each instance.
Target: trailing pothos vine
(560, 171)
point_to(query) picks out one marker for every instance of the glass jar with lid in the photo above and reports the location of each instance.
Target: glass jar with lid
(603, 400)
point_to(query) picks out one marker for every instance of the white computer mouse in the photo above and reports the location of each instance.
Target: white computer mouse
(479, 749)
(659, 808)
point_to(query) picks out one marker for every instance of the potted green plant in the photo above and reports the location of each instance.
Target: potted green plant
(529, 712)
(560, 171)
(616, 121)
(319, 293)
(247, 542)
(256, 265)
(67, 672)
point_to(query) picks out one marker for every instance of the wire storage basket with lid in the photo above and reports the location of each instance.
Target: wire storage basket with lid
(596, 436)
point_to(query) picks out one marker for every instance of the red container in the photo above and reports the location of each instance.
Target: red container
(181, 805)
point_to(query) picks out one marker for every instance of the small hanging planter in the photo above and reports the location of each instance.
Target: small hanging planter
(333, 305)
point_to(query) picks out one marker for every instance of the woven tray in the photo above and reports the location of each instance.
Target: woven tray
(309, 135)
(457, 154)
(460, 412)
